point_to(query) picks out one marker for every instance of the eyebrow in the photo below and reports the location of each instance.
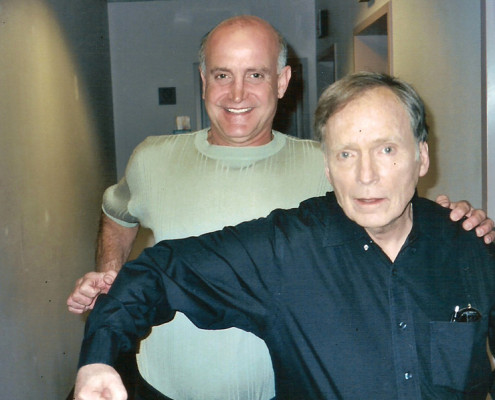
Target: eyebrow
(251, 69)
(377, 142)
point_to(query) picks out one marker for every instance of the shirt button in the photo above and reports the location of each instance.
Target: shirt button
(366, 247)
(402, 325)
(407, 376)
(394, 271)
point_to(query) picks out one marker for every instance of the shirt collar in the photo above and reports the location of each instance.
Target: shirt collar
(430, 220)
(340, 229)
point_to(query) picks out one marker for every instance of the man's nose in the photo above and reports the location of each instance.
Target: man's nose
(368, 172)
(238, 90)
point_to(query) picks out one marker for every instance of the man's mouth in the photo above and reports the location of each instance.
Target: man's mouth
(239, 110)
(369, 201)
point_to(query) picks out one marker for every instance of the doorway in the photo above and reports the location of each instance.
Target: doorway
(373, 42)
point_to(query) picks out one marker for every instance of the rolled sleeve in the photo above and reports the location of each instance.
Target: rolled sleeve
(108, 332)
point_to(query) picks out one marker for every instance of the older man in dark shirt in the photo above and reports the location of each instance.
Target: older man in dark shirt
(369, 292)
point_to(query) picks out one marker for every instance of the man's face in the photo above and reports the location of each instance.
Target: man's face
(373, 162)
(241, 86)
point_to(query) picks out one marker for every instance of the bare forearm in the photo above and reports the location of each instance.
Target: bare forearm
(114, 244)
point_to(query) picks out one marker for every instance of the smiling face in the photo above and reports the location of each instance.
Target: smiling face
(241, 85)
(374, 161)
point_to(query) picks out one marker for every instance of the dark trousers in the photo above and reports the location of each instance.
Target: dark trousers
(144, 391)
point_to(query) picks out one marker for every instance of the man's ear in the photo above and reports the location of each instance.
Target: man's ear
(424, 158)
(283, 80)
(203, 83)
(327, 173)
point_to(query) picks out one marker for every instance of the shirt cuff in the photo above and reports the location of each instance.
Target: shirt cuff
(100, 348)
(109, 331)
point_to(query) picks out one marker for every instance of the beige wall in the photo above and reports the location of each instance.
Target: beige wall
(56, 157)
(437, 48)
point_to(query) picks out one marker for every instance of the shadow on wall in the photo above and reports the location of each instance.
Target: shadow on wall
(429, 181)
(144, 239)
(56, 158)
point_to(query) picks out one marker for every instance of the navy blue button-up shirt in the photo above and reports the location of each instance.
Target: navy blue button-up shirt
(341, 321)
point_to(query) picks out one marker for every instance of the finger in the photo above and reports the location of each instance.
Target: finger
(460, 210)
(443, 200)
(75, 303)
(75, 309)
(490, 237)
(475, 218)
(85, 292)
(90, 287)
(76, 306)
(97, 280)
(486, 227)
(84, 295)
(109, 277)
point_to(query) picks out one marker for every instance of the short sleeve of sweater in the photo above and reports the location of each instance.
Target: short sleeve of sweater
(117, 198)
(115, 204)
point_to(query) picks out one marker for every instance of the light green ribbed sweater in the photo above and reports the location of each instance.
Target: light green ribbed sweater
(179, 186)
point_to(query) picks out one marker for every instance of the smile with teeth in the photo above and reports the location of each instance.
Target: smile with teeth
(239, 110)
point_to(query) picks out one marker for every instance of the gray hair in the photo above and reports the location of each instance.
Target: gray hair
(342, 92)
(244, 19)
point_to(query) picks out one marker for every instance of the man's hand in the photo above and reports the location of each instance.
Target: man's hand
(474, 218)
(98, 382)
(87, 290)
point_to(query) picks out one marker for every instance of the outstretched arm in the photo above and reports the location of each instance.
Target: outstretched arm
(113, 247)
(474, 218)
(98, 382)
(214, 279)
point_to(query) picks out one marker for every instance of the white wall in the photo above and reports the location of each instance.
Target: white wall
(154, 44)
(56, 157)
(437, 48)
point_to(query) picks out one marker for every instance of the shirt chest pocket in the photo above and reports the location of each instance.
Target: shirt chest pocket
(459, 358)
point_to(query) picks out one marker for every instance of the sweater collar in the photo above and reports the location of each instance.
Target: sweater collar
(238, 157)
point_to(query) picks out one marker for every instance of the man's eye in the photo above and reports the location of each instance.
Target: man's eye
(344, 154)
(388, 150)
(221, 76)
(256, 75)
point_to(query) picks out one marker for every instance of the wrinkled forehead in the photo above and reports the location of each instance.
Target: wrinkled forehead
(376, 114)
